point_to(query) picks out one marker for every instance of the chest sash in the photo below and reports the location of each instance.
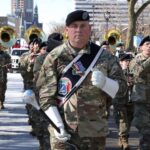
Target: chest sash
(76, 72)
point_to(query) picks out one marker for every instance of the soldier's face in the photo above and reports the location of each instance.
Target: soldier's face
(43, 50)
(36, 47)
(146, 49)
(124, 64)
(78, 33)
(31, 46)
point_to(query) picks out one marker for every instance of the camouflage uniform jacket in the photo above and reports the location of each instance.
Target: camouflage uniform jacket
(125, 99)
(26, 68)
(141, 89)
(84, 112)
(23, 63)
(5, 63)
(38, 64)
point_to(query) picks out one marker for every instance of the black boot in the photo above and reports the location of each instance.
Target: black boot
(1, 105)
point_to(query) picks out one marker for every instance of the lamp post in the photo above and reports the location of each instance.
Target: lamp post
(107, 17)
(93, 24)
(93, 6)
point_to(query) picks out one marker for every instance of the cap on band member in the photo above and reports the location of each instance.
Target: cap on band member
(56, 36)
(125, 56)
(145, 39)
(78, 15)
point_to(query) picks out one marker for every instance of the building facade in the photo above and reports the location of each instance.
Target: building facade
(107, 14)
(24, 9)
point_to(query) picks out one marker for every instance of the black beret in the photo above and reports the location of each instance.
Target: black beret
(56, 36)
(78, 15)
(145, 39)
(125, 56)
(52, 44)
(43, 44)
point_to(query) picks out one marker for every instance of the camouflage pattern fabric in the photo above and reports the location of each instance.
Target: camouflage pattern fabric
(37, 65)
(38, 122)
(27, 76)
(5, 63)
(77, 142)
(41, 125)
(123, 112)
(84, 112)
(141, 98)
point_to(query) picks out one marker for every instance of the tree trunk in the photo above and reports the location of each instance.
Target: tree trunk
(131, 27)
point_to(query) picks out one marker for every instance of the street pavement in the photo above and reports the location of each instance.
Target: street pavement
(14, 129)
(112, 139)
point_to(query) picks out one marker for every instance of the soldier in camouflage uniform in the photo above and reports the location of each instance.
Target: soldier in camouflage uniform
(24, 63)
(35, 117)
(5, 64)
(41, 124)
(123, 107)
(45, 47)
(140, 67)
(38, 122)
(81, 120)
(26, 80)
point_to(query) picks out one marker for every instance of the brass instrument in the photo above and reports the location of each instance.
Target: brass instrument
(7, 36)
(34, 32)
(112, 36)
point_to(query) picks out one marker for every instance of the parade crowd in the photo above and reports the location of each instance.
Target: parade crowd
(69, 86)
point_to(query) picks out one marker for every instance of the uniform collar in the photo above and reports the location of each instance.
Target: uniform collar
(85, 50)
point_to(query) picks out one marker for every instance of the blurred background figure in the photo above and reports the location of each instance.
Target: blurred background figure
(5, 64)
(54, 40)
(140, 68)
(120, 48)
(123, 107)
(105, 45)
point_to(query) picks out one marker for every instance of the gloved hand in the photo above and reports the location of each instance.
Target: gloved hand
(146, 64)
(98, 79)
(53, 113)
(29, 98)
(63, 136)
(106, 84)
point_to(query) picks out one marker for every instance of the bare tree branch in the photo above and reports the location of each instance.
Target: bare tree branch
(140, 10)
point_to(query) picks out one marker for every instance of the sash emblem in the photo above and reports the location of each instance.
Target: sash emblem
(64, 86)
(78, 68)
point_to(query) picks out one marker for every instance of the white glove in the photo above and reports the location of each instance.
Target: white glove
(106, 84)
(98, 79)
(53, 113)
(63, 136)
(29, 98)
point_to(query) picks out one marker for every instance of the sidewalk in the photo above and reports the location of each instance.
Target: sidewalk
(14, 129)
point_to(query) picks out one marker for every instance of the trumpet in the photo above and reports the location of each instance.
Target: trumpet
(34, 32)
(7, 36)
